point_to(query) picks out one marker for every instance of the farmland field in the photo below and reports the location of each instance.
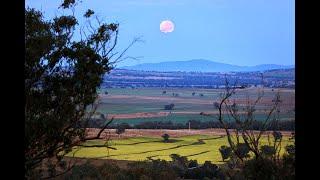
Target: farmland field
(197, 147)
(134, 106)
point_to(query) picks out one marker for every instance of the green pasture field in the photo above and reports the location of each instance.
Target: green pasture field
(187, 92)
(196, 147)
(152, 100)
(184, 118)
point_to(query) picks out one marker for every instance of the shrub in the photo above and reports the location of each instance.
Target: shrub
(84, 171)
(102, 117)
(207, 171)
(225, 152)
(179, 164)
(211, 170)
(268, 151)
(216, 105)
(161, 169)
(178, 168)
(193, 163)
(176, 158)
(120, 129)
(165, 137)
(277, 135)
(261, 168)
(175, 94)
(109, 170)
(169, 107)
(292, 137)
(233, 162)
(242, 150)
(290, 149)
(155, 170)
(289, 163)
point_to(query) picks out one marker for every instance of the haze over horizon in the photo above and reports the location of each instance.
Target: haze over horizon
(203, 59)
(202, 65)
(246, 33)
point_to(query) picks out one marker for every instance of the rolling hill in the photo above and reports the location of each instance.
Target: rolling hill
(201, 65)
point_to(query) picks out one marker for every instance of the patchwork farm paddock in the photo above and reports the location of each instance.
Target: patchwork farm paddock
(139, 145)
(133, 106)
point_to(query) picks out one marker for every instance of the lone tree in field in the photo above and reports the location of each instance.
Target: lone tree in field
(61, 78)
(165, 137)
(175, 94)
(120, 130)
(216, 105)
(169, 107)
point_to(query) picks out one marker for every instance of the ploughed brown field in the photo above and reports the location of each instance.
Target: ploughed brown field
(129, 133)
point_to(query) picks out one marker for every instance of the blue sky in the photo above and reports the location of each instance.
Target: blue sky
(240, 32)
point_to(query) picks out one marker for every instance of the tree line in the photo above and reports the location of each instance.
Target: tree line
(284, 125)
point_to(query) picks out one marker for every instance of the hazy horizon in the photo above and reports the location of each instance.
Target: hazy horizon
(207, 60)
(245, 33)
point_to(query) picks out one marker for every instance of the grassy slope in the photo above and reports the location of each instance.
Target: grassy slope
(143, 147)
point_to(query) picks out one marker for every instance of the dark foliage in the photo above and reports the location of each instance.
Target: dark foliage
(268, 151)
(179, 167)
(169, 107)
(206, 171)
(266, 168)
(165, 137)
(89, 13)
(262, 169)
(61, 78)
(277, 135)
(84, 171)
(216, 105)
(182, 168)
(225, 152)
(289, 162)
(120, 129)
(195, 124)
(290, 149)
(193, 164)
(242, 150)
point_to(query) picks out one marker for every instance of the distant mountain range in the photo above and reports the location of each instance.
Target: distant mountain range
(201, 65)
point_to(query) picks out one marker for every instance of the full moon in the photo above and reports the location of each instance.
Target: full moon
(166, 26)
